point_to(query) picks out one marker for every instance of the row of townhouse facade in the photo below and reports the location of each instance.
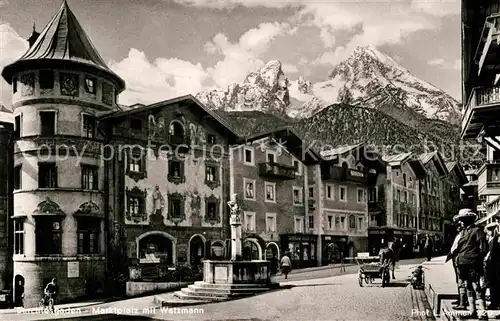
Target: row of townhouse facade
(91, 188)
(480, 96)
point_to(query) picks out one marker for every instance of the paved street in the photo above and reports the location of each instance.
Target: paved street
(332, 298)
(299, 275)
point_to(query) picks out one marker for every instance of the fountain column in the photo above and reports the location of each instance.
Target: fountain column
(235, 221)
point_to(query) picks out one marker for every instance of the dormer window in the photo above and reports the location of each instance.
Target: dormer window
(46, 78)
(90, 85)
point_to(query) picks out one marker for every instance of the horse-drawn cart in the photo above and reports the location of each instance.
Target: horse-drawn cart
(370, 269)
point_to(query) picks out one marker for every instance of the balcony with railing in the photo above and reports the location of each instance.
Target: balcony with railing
(484, 102)
(356, 176)
(489, 179)
(278, 171)
(333, 173)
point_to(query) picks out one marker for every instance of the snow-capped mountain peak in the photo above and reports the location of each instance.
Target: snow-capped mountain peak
(372, 78)
(264, 90)
(368, 78)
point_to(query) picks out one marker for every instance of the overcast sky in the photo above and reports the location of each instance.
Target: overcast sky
(167, 48)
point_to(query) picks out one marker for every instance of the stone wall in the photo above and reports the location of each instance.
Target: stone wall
(38, 273)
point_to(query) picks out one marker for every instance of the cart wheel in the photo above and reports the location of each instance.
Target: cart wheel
(360, 280)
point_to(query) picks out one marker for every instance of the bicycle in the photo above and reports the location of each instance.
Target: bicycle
(47, 301)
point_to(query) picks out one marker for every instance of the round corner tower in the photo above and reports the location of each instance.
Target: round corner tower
(59, 87)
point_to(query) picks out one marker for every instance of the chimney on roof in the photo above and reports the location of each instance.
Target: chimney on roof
(34, 36)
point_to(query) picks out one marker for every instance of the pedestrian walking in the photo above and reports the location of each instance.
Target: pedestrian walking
(471, 251)
(286, 265)
(491, 280)
(388, 256)
(428, 247)
(462, 293)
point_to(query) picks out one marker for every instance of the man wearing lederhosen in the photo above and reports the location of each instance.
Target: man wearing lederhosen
(462, 294)
(471, 251)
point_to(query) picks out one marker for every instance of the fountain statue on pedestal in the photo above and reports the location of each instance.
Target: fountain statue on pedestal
(235, 222)
(228, 279)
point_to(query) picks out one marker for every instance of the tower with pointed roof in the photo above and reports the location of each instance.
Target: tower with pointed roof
(59, 86)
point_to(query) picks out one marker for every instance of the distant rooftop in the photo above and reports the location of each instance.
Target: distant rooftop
(331, 153)
(6, 116)
(396, 158)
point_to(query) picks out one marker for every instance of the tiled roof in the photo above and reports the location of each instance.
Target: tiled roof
(426, 157)
(396, 158)
(63, 38)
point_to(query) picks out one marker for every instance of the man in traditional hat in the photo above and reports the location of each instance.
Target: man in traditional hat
(471, 251)
(462, 293)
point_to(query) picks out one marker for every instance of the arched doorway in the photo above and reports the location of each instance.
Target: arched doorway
(156, 247)
(272, 250)
(251, 250)
(196, 250)
(218, 250)
(18, 290)
(273, 255)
